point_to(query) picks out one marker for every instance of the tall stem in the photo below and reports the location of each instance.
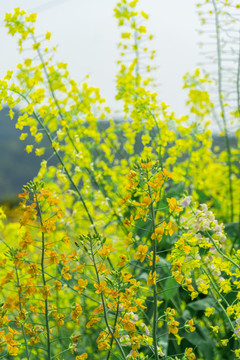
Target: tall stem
(114, 328)
(20, 307)
(104, 306)
(223, 114)
(154, 245)
(44, 281)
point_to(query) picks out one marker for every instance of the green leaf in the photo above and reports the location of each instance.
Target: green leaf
(170, 289)
(201, 338)
(118, 357)
(164, 265)
(200, 305)
(163, 338)
(90, 287)
(232, 230)
(149, 304)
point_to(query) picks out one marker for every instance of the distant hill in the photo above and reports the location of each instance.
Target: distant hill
(17, 167)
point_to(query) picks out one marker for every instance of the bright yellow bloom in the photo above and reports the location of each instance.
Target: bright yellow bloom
(215, 329)
(29, 148)
(48, 35)
(209, 311)
(36, 45)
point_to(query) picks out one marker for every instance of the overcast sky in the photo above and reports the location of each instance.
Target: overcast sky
(86, 34)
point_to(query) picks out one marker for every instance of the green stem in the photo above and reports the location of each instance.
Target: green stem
(220, 295)
(52, 91)
(44, 281)
(154, 245)
(104, 307)
(159, 135)
(20, 307)
(62, 117)
(223, 115)
(221, 253)
(62, 352)
(65, 170)
(114, 327)
(62, 163)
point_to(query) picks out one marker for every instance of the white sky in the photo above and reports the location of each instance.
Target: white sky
(86, 34)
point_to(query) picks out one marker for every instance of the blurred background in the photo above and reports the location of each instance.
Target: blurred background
(86, 36)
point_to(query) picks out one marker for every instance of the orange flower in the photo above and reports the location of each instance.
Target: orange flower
(131, 175)
(188, 283)
(92, 322)
(167, 174)
(191, 325)
(157, 183)
(128, 324)
(23, 195)
(128, 222)
(151, 278)
(48, 226)
(146, 201)
(173, 207)
(139, 303)
(65, 272)
(45, 292)
(123, 259)
(81, 285)
(33, 269)
(189, 354)
(147, 165)
(103, 341)
(173, 327)
(29, 216)
(60, 321)
(126, 276)
(106, 250)
(128, 240)
(76, 313)
(103, 270)
(158, 233)
(98, 310)
(101, 288)
(84, 356)
(26, 240)
(142, 251)
(53, 256)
